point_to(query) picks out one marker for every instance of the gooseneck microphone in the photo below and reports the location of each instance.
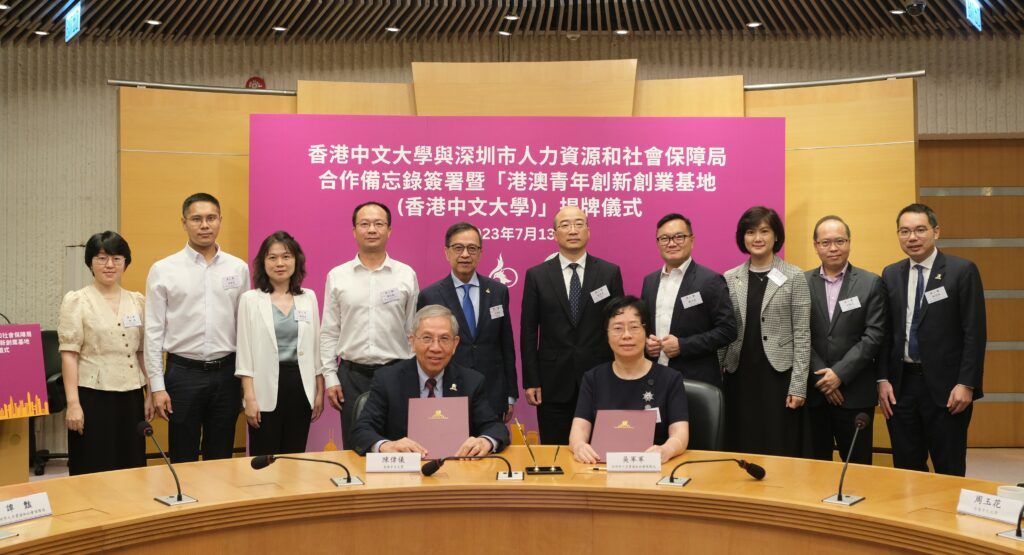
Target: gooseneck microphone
(434, 465)
(756, 471)
(260, 462)
(145, 429)
(860, 422)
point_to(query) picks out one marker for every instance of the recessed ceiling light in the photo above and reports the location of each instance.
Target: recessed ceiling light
(621, 32)
(153, 22)
(279, 29)
(897, 12)
(392, 29)
(4, 7)
(511, 17)
(42, 33)
(754, 24)
(505, 33)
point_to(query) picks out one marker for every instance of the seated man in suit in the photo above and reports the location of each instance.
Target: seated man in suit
(383, 424)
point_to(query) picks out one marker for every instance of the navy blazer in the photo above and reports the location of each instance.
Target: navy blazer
(492, 352)
(850, 343)
(555, 352)
(952, 332)
(702, 329)
(386, 413)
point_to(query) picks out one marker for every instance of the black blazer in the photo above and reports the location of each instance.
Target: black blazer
(851, 342)
(952, 332)
(555, 353)
(386, 413)
(701, 329)
(492, 352)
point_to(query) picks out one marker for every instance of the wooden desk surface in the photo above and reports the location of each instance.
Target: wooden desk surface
(292, 506)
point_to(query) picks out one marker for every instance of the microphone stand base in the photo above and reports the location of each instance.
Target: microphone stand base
(676, 482)
(847, 500)
(172, 500)
(4, 534)
(544, 470)
(510, 476)
(351, 481)
(1012, 534)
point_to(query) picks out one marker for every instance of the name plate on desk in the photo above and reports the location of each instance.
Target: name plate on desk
(393, 462)
(988, 506)
(24, 508)
(634, 462)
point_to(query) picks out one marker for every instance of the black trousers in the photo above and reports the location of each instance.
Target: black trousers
(355, 380)
(832, 427)
(109, 440)
(555, 422)
(206, 403)
(920, 428)
(286, 428)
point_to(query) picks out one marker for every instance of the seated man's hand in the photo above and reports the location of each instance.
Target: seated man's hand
(404, 445)
(474, 447)
(584, 453)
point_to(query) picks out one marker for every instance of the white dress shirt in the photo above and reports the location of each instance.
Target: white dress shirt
(474, 293)
(191, 307)
(927, 264)
(668, 286)
(368, 315)
(567, 272)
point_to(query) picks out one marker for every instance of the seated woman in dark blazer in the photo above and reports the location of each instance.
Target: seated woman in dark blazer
(631, 382)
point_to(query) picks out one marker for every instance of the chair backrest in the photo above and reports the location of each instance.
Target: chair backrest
(52, 364)
(360, 403)
(707, 417)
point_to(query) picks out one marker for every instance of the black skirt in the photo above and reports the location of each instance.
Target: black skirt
(110, 440)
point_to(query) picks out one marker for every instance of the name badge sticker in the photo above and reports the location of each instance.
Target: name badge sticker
(777, 277)
(230, 282)
(132, 321)
(936, 295)
(634, 462)
(846, 305)
(302, 315)
(497, 312)
(657, 414)
(393, 462)
(600, 294)
(691, 300)
(390, 295)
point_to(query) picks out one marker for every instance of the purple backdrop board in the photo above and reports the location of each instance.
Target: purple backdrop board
(22, 376)
(508, 176)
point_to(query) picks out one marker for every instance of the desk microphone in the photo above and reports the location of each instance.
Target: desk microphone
(756, 471)
(859, 423)
(145, 429)
(260, 462)
(434, 465)
(1015, 534)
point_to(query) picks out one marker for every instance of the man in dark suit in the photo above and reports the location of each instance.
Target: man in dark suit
(690, 308)
(480, 305)
(937, 354)
(384, 422)
(562, 331)
(848, 323)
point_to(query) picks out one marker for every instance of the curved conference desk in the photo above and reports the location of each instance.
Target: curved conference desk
(292, 506)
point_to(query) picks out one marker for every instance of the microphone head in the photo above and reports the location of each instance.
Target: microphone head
(144, 428)
(432, 466)
(755, 470)
(861, 421)
(261, 461)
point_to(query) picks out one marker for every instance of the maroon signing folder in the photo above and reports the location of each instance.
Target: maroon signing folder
(622, 431)
(439, 424)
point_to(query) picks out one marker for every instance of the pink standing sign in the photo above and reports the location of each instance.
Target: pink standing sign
(22, 376)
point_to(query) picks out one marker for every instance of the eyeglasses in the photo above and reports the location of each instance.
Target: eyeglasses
(444, 341)
(365, 225)
(619, 331)
(678, 238)
(198, 220)
(457, 248)
(919, 231)
(578, 225)
(827, 243)
(103, 260)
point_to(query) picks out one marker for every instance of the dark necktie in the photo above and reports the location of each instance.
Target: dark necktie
(575, 288)
(431, 384)
(913, 348)
(467, 309)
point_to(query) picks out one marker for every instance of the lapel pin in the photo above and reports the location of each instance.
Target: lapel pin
(938, 277)
(488, 291)
(454, 387)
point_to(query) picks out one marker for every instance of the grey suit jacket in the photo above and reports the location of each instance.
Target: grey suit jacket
(785, 323)
(851, 341)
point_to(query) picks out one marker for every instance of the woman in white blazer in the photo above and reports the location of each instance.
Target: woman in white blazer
(766, 366)
(278, 357)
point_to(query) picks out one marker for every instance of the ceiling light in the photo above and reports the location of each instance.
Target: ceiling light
(4, 7)
(621, 32)
(754, 24)
(392, 29)
(505, 33)
(153, 22)
(897, 12)
(511, 17)
(42, 33)
(280, 29)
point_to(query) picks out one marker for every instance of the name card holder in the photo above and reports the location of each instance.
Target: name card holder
(634, 462)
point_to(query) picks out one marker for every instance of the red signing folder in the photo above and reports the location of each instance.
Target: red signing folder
(622, 431)
(439, 424)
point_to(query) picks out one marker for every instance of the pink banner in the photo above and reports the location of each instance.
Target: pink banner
(22, 376)
(508, 176)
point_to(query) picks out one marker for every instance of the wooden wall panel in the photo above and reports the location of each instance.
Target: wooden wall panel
(978, 217)
(1005, 319)
(1004, 372)
(14, 467)
(600, 88)
(327, 97)
(1000, 267)
(996, 425)
(972, 163)
(697, 97)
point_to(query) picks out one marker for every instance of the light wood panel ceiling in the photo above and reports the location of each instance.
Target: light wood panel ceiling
(368, 20)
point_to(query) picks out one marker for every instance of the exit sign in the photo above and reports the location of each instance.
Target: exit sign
(72, 22)
(973, 11)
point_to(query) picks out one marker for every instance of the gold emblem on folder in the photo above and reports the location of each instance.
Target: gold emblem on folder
(438, 415)
(624, 426)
